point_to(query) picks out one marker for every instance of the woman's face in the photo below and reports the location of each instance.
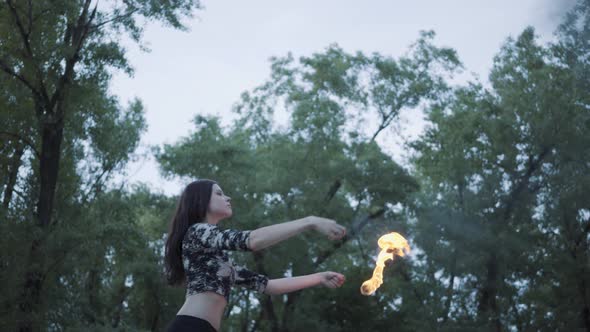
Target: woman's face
(219, 206)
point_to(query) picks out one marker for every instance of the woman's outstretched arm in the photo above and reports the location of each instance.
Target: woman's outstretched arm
(291, 284)
(269, 235)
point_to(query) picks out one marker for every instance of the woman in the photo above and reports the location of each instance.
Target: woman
(196, 256)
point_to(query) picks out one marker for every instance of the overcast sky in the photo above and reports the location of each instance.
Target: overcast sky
(226, 52)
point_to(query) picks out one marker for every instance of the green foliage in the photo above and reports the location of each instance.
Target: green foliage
(493, 166)
(322, 163)
(495, 202)
(63, 137)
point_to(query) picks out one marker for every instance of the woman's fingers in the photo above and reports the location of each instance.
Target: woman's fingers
(336, 283)
(332, 284)
(340, 231)
(336, 231)
(329, 227)
(334, 280)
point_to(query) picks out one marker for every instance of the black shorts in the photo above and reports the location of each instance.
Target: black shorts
(186, 323)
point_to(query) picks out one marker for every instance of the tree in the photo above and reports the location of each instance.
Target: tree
(56, 58)
(323, 163)
(495, 165)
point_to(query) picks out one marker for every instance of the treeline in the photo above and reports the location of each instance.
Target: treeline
(493, 198)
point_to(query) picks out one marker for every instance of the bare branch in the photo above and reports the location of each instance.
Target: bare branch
(355, 229)
(21, 29)
(534, 164)
(24, 140)
(6, 68)
(27, 46)
(79, 34)
(19, 194)
(333, 189)
(114, 19)
(30, 25)
(96, 184)
(583, 235)
(87, 26)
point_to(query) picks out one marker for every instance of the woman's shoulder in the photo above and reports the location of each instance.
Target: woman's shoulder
(210, 236)
(198, 229)
(202, 226)
(202, 231)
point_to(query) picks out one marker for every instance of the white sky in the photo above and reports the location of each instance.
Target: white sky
(226, 52)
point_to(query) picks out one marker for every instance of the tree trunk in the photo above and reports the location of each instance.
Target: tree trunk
(52, 136)
(92, 283)
(449, 300)
(580, 257)
(488, 308)
(585, 312)
(120, 297)
(245, 321)
(31, 292)
(449, 294)
(156, 319)
(268, 310)
(288, 310)
(12, 174)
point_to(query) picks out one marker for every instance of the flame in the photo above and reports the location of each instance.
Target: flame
(390, 244)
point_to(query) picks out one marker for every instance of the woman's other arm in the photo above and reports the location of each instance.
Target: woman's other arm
(287, 285)
(270, 235)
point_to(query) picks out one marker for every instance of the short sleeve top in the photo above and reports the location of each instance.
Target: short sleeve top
(207, 265)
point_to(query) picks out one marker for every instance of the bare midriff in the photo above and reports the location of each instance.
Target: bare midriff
(208, 306)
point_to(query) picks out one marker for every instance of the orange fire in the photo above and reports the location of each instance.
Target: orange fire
(390, 244)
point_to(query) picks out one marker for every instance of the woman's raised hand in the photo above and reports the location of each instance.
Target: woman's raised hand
(331, 279)
(328, 227)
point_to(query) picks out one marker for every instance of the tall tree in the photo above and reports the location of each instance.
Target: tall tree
(495, 165)
(56, 58)
(324, 162)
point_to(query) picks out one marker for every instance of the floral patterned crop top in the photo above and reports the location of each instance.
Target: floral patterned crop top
(207, 265)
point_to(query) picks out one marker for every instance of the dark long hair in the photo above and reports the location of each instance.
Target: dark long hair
(191, 209)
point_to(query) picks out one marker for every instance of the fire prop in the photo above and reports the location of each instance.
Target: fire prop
(390, 244)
